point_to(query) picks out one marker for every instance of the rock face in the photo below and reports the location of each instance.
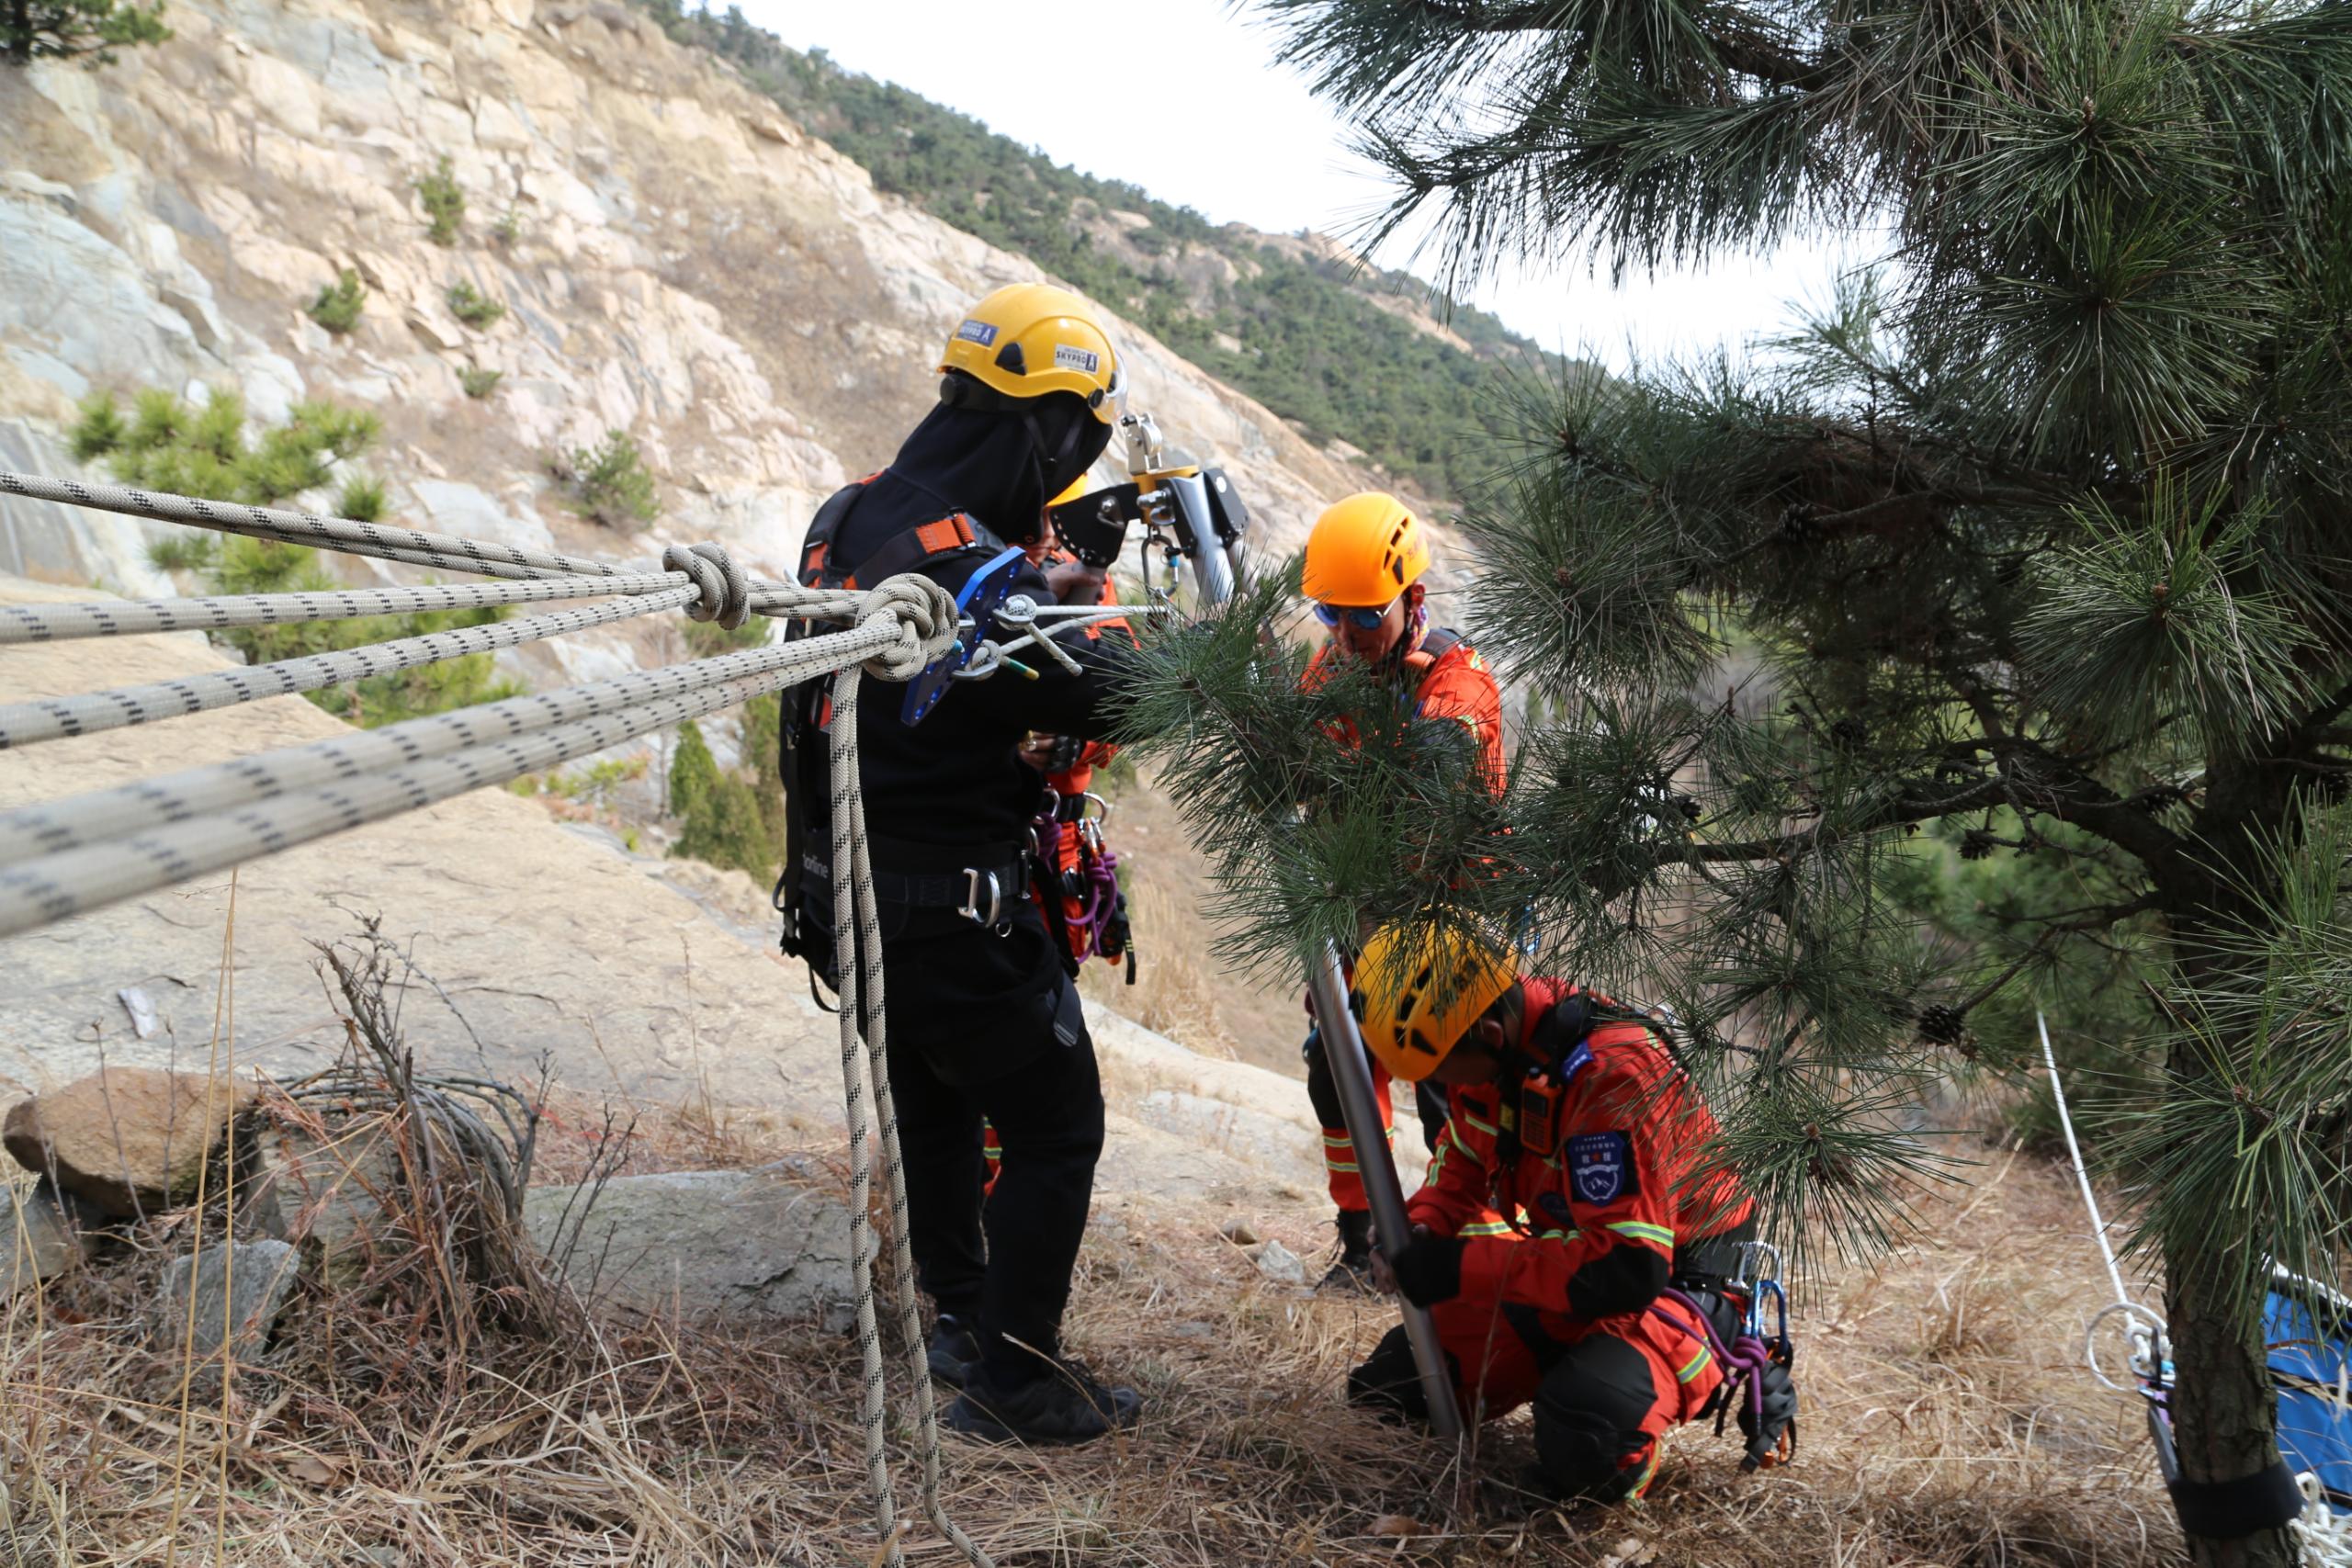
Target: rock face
(126, 1140)
(675, 260)
(762, 1243)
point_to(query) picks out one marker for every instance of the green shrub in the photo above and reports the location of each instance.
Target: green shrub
(245, 565)
(608, 482)
(100, 429)
(183, 549)
(444, 204)
(206, 450)
(479, 382)
(599, 784)
(338, 304)
(694, 771)
(361, 499)
(708, 639)
(473, 307)
(63, 29)
(508, 229)
(732, 818)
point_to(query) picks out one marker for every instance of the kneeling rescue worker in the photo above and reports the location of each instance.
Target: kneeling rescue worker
(1365, 558)
(983, 1016)
(1567, 1197)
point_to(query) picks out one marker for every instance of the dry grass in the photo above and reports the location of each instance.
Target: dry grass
(1945, 1423)
(1175, 991)
(413, 1415)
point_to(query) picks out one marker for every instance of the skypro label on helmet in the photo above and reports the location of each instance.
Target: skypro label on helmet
(981, 332)
(1070, 358)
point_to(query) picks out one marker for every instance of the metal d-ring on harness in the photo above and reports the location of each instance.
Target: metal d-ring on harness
(970, 907)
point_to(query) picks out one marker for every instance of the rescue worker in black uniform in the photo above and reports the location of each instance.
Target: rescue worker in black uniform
(983, 1016)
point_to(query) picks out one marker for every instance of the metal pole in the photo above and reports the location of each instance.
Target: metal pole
(1343, 1048)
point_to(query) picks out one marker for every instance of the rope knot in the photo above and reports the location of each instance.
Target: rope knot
(726, 590)
(926, 616)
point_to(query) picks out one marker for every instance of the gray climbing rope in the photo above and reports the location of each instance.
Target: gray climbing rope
(59, 859)
(57, 623)
(49, 718)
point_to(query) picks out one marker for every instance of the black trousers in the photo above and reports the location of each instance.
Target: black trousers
(985, 1025)
(1006, 1263)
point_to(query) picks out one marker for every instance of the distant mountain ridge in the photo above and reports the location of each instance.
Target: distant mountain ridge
(1356, 357)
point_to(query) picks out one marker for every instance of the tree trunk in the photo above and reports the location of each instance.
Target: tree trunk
(2223, 1414)
(21, 32)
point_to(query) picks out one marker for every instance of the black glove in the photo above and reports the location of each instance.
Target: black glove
(1429, 1270)
(1780, 1413)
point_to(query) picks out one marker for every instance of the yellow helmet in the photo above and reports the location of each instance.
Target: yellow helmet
(1029, 339)
(1420, 989)
(1070, 493)
(1365, 551)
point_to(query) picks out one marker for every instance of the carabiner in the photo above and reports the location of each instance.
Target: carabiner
(970, 907)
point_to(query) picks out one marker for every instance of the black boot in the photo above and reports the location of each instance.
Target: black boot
(954, 1348)
(1059, 1404)
(1352, 1271)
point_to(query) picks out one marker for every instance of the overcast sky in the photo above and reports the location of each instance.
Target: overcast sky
(1184, 98)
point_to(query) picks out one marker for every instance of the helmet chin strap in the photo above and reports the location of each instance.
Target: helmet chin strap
(1051, 466)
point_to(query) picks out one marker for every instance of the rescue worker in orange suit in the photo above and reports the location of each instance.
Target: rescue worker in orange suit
(984, 1021)
(1569, 1193)
(1366, 559)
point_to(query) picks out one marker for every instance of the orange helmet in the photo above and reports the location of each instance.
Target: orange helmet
(1420, 989)
(1365, 551)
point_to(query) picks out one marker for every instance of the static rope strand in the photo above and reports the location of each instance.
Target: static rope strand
(2074, 1153)
(52, 887)
(382, 541)
(57, 623)
(305, 528)
(21, 724)
(105, 814)
(858, 979)
(854, 963)
(2323, 1535)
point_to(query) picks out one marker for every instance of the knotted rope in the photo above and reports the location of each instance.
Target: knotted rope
(62, 857)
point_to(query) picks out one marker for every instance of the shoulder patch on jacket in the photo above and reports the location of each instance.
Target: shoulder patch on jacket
(1602, 1166)
(1578, 1061)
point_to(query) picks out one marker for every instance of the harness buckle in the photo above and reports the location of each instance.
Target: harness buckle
(970, 907)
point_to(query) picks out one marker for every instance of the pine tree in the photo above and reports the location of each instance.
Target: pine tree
(694, 771)
(2020, 569)
(62, 29)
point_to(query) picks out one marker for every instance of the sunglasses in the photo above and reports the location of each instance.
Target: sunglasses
(1364, 620)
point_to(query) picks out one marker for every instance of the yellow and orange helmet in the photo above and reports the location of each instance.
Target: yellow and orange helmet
(1029, 339)
(1420, 989)
(1365, 551)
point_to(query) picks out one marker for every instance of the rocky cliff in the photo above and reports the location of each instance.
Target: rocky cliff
(677, 260)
